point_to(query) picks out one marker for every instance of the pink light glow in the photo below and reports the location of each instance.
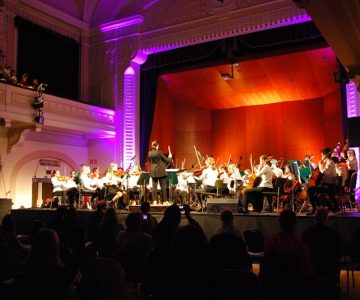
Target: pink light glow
(121, 23)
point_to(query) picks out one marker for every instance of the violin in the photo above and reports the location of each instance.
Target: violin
(119, 173)
(63, 178)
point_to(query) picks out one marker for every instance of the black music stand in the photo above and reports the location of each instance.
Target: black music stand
(143, 180)
(172, 180)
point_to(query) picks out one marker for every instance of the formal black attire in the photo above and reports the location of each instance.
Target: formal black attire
(158, 162)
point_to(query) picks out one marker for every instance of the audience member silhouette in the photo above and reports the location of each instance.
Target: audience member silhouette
(107, 234)
(44, 277)
(103, 279)
(227, 227)
(325, 249)
(188, 241)
(286, 260)
(149, 222)
(133, 248)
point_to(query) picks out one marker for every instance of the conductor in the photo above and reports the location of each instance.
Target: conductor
(158, 162)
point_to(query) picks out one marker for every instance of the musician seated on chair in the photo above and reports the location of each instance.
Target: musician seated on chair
(86, 184)
(328, 182)
(278, 172)
(181, 190)
(114, 191)
(130, 182)
(72, 189)
(254, 195)
(208, 178)
(59, 185)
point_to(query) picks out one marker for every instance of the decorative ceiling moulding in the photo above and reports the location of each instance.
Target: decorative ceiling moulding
(182, 35)
(63, 26)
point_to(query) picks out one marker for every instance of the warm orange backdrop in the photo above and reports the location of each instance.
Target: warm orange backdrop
(285, 130)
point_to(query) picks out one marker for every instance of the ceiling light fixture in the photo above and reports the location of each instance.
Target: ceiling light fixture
(227, 76)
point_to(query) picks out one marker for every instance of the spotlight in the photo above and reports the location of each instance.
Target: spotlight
(37, 104)
(227, 76)
(39, 118)
(341, 77)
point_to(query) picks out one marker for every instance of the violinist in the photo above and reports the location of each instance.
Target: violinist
(86, 185)
(275, 169)
(58, 184)
(114, 192)
(308, 163)
(328, 183)
(72, 189)
(130, 181)
(224, 176)
(158, 163)
(181, 190)
(254, 195)
(208, 178)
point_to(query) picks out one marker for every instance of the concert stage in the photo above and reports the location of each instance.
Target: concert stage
(346, 223)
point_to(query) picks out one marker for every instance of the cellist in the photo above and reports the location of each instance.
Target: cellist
(254, 195)
(328, 182)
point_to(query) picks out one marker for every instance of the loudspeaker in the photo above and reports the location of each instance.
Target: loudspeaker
(217, 205)
(354, 131)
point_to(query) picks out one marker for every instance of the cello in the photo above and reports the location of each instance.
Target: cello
(315, 179)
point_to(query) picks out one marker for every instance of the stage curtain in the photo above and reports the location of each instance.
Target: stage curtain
(148, 90)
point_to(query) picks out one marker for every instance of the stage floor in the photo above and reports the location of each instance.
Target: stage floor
(346, 223)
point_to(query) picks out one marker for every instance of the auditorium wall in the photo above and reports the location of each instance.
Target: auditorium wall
(286, 130)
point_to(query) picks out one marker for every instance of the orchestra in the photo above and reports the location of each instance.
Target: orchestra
(121, 188)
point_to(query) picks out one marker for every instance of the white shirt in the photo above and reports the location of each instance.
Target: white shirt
(277, 171)
(352, 164)
(182, 184)
(266, 176)
(209, 175)
(57, 184)
(86, 181)
(329, 171)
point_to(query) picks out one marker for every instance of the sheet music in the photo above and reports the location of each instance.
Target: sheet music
(173, 170)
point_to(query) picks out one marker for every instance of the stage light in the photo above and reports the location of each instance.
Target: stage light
(227, 76)
(38, 103)
(341, 77)
(39, 118)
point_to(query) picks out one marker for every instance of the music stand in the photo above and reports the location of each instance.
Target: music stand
(172, 179)
(143, 180)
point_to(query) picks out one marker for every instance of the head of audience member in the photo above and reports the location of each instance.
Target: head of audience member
(24, 79)
(186, 241)
(172, 215)
(321, 215)
(227, 217)
(145, 207)
(287, 221)
(110, 217)
(9, 225)
(45, 249)
(103, 279)
(133, 222)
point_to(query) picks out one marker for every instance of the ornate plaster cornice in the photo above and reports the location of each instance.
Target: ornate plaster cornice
(66, 26)
(212, 28)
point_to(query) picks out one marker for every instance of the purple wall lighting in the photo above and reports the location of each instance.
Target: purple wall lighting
(353, 110)
(121, 23)
(129, 117)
